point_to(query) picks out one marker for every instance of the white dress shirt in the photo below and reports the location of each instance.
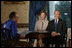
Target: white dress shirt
(57, 20)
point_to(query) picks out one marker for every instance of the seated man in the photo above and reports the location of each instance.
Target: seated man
(57, 28)
(11, 25)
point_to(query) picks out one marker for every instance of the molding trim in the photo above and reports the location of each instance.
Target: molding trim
(21, 25)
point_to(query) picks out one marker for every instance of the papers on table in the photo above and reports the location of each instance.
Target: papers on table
(26, 40)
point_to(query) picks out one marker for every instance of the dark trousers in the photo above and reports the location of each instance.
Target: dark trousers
(53, 40)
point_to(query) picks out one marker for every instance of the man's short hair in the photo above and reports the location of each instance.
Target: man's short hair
(12, 14)
(56, 10)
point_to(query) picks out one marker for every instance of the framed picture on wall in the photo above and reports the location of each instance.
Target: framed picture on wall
(14, 2)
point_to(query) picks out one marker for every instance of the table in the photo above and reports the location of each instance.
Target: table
(38, 35)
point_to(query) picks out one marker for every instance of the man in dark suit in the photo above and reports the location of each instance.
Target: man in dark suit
(57, 29)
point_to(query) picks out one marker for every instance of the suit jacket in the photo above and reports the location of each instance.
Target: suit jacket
(61, 27)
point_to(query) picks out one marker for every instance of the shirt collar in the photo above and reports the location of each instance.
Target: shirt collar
(57, 20)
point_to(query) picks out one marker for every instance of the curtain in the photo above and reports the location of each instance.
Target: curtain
(35, 7)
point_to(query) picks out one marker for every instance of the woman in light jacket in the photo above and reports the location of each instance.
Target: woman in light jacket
(41, 24)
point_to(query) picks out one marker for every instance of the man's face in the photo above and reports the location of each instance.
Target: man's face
(56, 14)
(42, 16)
(16, 18)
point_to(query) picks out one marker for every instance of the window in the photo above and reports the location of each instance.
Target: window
(65, 9)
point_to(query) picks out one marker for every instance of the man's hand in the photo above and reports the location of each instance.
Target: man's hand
(54, 34)
(22, 36)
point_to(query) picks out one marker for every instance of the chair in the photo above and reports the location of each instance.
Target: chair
(6, 38)
(69, 37)
(69, 42)
(63, 44)
(8, 41)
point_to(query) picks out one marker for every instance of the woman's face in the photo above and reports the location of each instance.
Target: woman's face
(42, 16)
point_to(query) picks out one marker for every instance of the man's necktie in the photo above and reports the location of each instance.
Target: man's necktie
(55, 25)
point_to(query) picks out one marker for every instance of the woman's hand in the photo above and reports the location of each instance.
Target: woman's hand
(22, 36)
